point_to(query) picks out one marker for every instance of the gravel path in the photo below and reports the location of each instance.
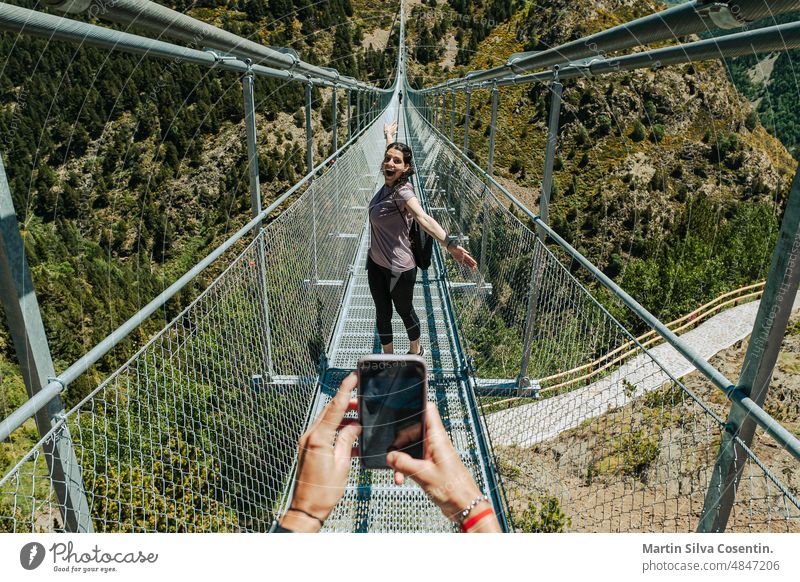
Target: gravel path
(533, 423)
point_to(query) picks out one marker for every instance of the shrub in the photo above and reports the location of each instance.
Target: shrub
(751, 121)
(631, 455)
(658, 133)
(583, 136)
(638, 133)
(603, 124)
(548, 517)
(658, 183)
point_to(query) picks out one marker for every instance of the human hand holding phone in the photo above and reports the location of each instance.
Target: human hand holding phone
(322, 467)
(440, 473)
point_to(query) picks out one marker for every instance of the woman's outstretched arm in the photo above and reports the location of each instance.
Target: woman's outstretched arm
(433, 228)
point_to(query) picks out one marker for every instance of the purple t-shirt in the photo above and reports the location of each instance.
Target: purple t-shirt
(389, 225)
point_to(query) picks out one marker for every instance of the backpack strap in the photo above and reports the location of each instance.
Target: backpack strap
(400, 214)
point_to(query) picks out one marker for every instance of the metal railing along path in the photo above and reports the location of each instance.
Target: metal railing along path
(168, 23)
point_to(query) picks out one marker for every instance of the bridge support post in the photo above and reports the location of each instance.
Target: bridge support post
(36, 364)
(557, 89)
(524, 380)
(443, 119)
(489, 170)
(365, 110)
(358, 110)
(335, 122)
(349, 114)
(309, 133)
(310, 165)
(759, 362)
(452, 115)
(426, 100)
(493, 129)
(248, 90)
(467, 95)
(435, 106)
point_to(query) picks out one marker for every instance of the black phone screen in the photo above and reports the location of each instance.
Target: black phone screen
(392, 395)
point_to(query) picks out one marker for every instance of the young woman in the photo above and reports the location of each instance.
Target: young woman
(391, 269)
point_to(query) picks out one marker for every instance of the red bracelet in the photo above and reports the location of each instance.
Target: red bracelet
(473, 520)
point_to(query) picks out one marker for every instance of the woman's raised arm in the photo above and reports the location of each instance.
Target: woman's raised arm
(389, 132)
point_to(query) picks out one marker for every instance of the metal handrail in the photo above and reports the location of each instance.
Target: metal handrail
(782, 37)
(775, 38)
(48, 26)
(690, 18)
(170, 23)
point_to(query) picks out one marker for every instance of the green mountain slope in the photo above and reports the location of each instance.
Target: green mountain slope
(772, 83)
(127, 170)
(665, 179)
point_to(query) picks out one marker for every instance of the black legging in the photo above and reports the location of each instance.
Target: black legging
(389, 287)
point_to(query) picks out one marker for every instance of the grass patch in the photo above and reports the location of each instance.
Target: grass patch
(630, 454)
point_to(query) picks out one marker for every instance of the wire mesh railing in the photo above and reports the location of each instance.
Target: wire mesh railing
(198, 431)
(629, 448)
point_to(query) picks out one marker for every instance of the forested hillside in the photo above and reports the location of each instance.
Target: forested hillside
(771, 83)
(667, 180)
(127, 170)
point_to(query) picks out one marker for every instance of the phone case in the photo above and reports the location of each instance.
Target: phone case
(377, 359)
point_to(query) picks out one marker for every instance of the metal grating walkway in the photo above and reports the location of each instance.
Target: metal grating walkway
(372, 502)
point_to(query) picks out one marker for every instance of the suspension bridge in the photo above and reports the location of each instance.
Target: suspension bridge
(198, 430)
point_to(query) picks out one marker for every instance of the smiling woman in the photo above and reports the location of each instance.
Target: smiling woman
(391, 269)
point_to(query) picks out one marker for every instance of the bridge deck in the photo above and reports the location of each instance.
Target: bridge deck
(372, 502)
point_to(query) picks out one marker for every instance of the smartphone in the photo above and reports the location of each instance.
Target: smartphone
(392, 392)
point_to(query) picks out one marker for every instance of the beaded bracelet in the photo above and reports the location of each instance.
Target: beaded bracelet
(463, 514)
